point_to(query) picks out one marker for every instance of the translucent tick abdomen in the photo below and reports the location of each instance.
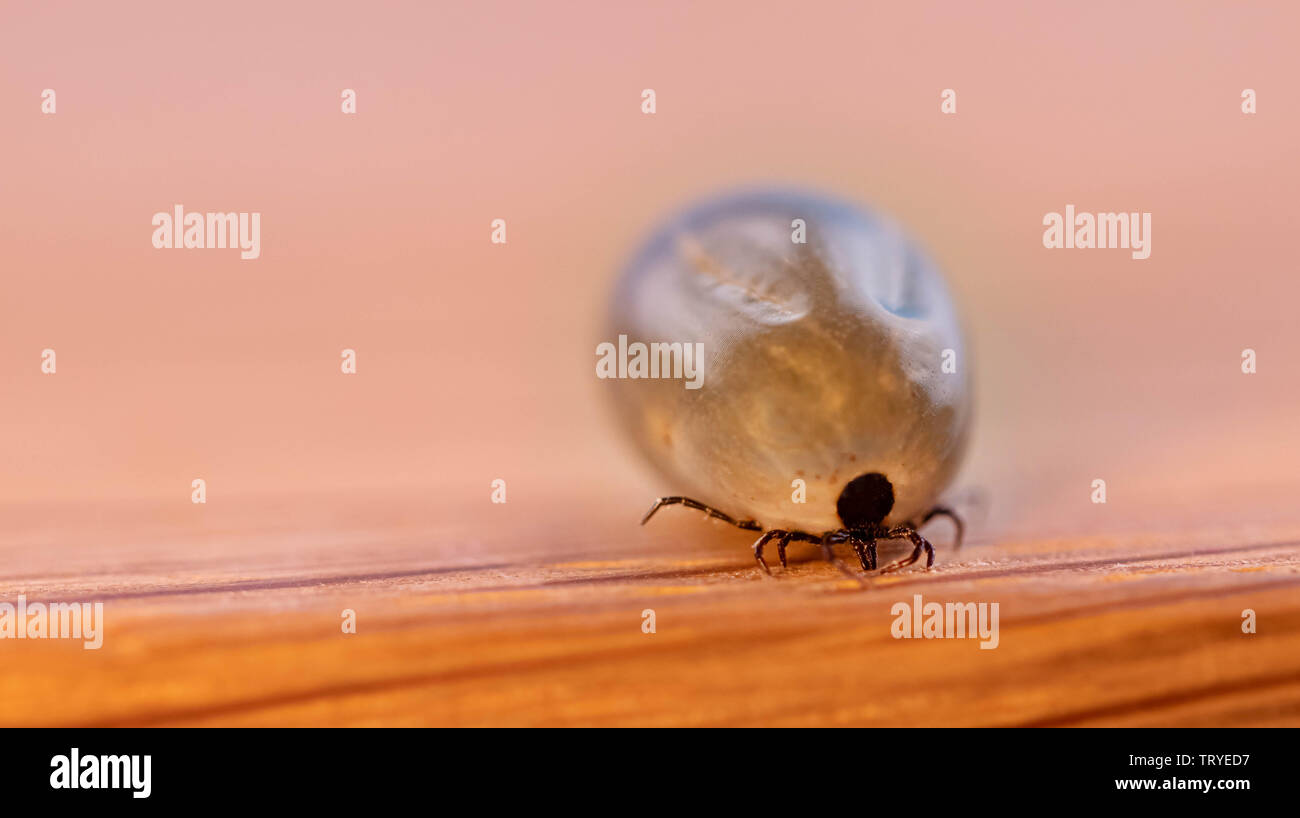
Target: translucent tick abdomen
(823, 360)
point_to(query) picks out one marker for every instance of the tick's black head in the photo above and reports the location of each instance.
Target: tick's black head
(865, 501)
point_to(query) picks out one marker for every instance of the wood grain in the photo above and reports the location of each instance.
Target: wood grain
(455, 629)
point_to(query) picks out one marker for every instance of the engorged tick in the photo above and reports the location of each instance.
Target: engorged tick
(831, 348)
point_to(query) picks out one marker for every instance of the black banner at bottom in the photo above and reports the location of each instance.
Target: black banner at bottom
(576, 768)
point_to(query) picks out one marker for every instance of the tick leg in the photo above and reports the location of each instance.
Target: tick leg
(795, 536)
(860, 548)
(780, 547)
(764, 540)
(748, 525)
(834, 537)
(872, 558)
(944, 511)
(919, 544)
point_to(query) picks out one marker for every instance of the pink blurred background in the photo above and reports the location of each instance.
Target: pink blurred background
(476, 361)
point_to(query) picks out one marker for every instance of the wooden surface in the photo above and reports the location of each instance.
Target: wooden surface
(458, 628)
